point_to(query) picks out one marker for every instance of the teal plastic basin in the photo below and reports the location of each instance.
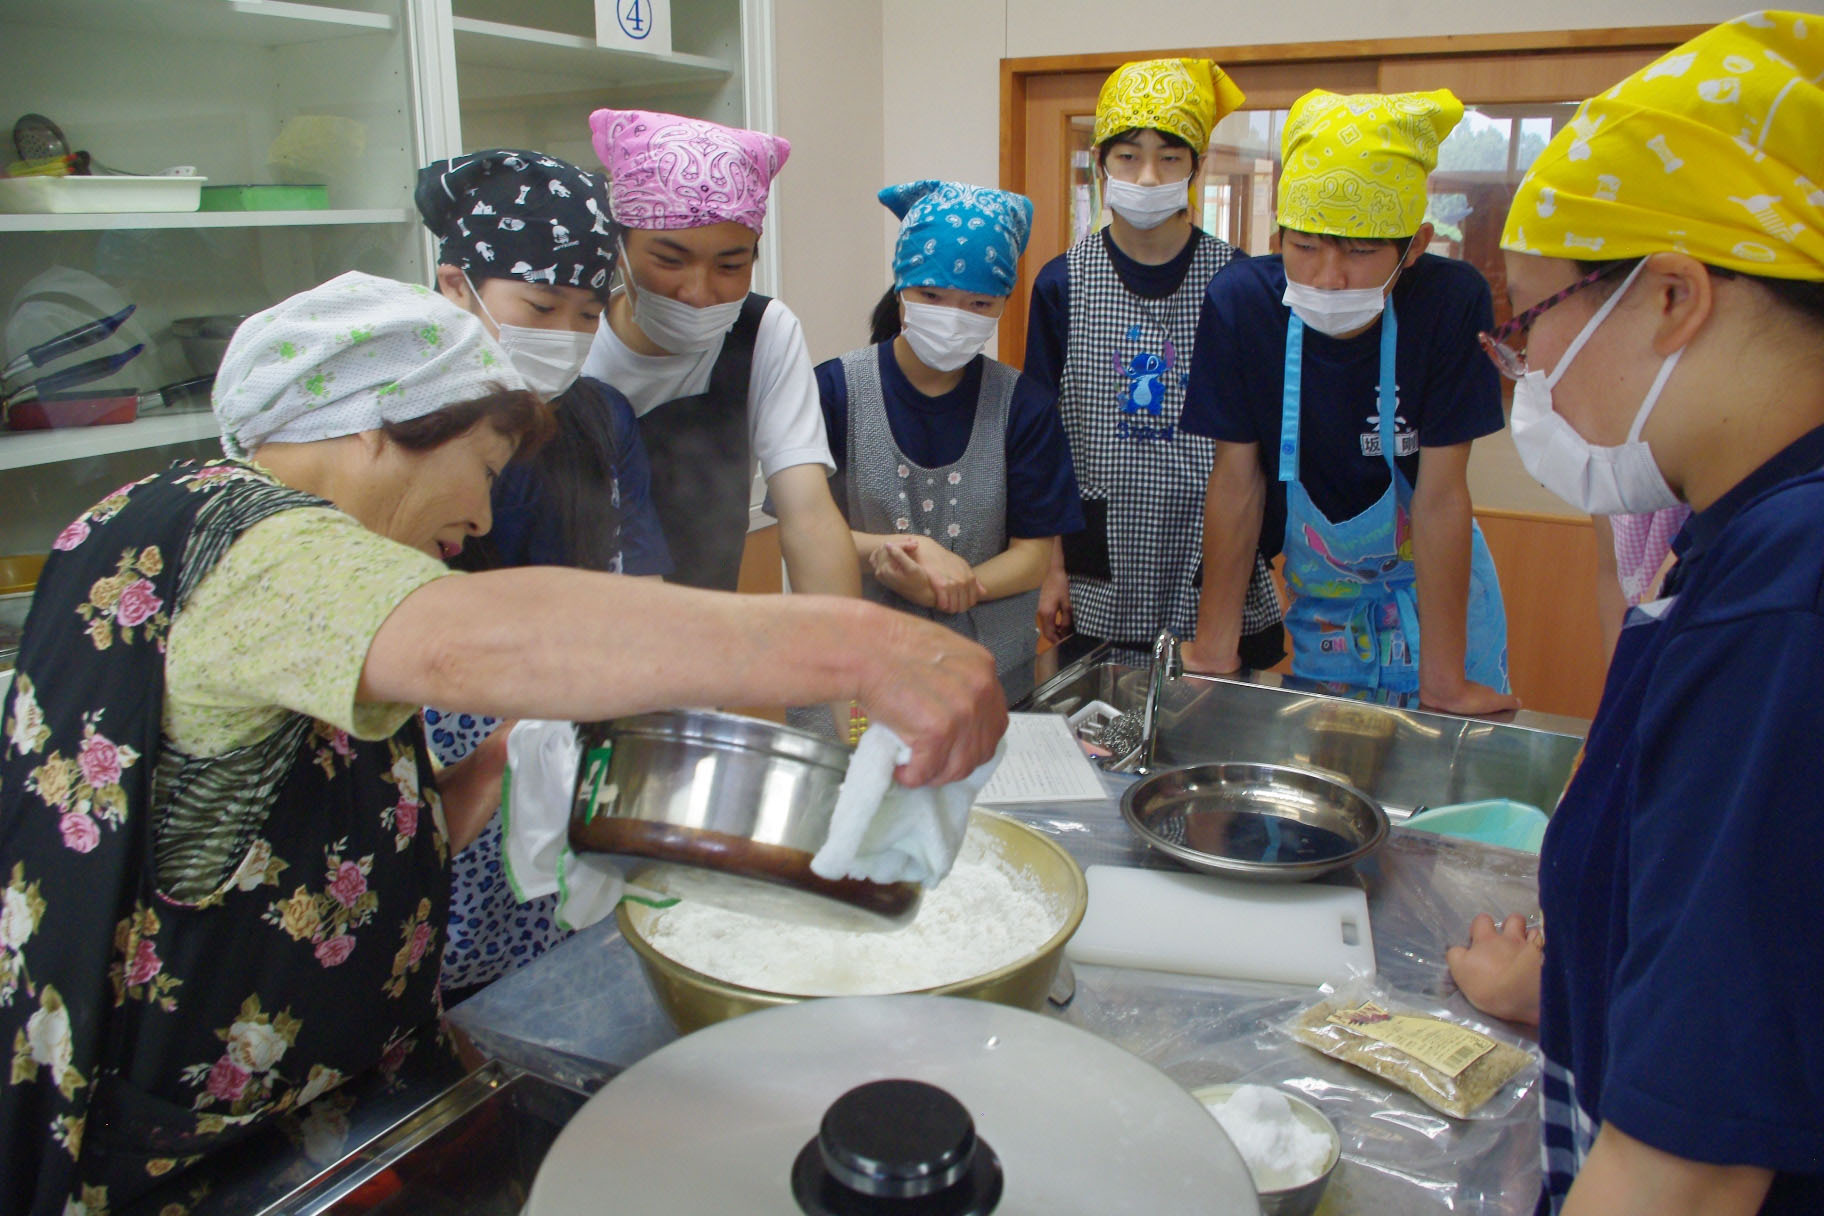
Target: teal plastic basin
(1502, 821)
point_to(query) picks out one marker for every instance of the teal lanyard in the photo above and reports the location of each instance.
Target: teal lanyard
(1388, 398)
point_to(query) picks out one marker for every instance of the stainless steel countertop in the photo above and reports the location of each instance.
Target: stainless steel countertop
(583, 1012)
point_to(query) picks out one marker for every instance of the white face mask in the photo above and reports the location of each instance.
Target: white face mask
(1342, 310)
(549, 360)
(1620, 480)
(674, 325)
(945, 338)
(1147, 206)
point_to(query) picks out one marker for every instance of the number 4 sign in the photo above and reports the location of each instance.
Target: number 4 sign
(634, 25)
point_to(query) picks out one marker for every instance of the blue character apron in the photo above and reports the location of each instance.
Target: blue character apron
(1354, 616)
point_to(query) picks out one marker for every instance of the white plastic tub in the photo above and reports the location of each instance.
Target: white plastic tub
(65, 195)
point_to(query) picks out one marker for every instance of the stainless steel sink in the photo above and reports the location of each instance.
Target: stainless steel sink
(1404, 757)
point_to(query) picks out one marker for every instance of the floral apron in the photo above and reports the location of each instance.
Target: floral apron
(1354, 617)
(190, 946)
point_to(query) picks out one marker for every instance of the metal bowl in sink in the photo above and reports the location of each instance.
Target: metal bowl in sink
(732, 809)
(1260, 821)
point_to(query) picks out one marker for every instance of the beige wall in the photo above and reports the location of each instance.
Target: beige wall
(828, 103)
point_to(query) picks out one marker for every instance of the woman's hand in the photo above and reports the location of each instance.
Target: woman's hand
(895, 569)
(1205, 658)
(470, 788)
(939, 693)
(1054, 604)
(931, 576)
(1499, 970)
(1468, 698)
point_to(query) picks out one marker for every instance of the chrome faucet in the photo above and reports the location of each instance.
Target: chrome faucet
(1167, 665)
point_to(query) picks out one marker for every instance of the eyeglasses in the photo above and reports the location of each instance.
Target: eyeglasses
(1512, 363)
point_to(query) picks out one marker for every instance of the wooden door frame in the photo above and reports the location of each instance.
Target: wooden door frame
(1019, 77)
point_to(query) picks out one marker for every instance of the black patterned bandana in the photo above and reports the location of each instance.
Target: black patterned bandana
(510, 214)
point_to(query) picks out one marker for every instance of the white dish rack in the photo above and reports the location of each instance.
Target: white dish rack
(72, 195)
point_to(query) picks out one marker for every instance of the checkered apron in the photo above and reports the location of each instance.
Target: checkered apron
(961, 506)
(1125, 369)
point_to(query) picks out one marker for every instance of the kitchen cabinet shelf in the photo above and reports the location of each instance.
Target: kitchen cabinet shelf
(110, 220)
(243, 22)
(24, 449)
(540, 54)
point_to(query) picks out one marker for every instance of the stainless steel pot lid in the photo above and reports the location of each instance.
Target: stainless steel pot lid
(714, 1122)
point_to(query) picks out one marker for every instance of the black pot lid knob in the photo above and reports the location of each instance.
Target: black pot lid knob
(892, 1144)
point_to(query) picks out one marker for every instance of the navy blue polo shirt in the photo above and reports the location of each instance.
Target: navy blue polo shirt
(1048, 320)
(1684, 970)
(1448, 391)
(1042, 495)
(527, 531)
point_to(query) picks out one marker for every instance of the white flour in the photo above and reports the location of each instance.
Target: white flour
(1280, 1149)
(984, 915)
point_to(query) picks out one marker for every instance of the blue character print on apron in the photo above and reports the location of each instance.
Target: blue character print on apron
(1145, 374)
(1354, 616)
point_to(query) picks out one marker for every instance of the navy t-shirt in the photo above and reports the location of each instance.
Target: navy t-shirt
(1448, 391)
(1679, 877)
(1048, 321)
(934, 431)
(527, 531)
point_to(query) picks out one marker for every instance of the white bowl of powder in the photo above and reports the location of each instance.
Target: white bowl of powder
(1290, 1146)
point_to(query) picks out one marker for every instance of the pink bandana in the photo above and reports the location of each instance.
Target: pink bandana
(666, 171)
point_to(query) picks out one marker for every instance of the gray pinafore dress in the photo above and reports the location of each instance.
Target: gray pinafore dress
(962, 506)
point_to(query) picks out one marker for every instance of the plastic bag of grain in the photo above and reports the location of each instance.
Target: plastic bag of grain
(1458, 1068)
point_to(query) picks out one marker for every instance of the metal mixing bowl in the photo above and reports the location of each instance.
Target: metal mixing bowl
(693, 1000)
(734, 807)
(1261, 821)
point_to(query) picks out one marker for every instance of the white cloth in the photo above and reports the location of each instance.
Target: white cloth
(884, 832)
(535, 826)
(348, 356)
(784, 411)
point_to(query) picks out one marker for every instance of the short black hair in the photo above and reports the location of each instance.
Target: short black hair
(1128, 137)
(1803, 296)
(883, 322)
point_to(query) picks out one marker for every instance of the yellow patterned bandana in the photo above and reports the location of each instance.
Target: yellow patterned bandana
(1356, 164)
(1715, 150)
(1183, 97)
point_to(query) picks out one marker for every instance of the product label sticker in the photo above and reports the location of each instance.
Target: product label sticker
(1443, 1046)
(595, 771)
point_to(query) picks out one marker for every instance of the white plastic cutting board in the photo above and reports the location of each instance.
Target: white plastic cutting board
(1197, 924)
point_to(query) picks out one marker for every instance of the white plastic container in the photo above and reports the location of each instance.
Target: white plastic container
(69, 195)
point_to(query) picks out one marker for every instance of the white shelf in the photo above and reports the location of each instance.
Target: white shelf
(22, 449)
(90, 221)
(244, 22)
(542, 53)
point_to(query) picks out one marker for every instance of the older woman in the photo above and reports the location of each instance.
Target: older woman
(224, 853)
(1665, 257)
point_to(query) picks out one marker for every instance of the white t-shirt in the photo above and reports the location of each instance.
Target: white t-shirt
(784, 415)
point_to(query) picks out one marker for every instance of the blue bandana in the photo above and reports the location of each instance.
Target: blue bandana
(952, 235)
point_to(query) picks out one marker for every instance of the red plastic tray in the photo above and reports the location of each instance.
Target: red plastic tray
(75, 411)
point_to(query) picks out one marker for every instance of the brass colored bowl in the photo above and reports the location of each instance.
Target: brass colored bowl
(693, 1000)
(19, 572)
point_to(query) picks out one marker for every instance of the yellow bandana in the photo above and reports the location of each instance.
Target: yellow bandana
(1706, 151)
(1184, 97)
(1356, 165)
